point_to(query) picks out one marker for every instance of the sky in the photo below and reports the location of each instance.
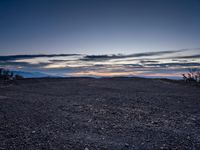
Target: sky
(104, 37)
(165, 64)
(98, 26)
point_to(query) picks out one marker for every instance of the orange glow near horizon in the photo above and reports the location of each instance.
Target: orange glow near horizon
(102, 74)
(114, 74)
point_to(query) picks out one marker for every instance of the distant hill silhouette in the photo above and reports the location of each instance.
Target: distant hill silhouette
(31, 74)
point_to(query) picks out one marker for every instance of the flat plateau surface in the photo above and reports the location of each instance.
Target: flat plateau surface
(107, 113)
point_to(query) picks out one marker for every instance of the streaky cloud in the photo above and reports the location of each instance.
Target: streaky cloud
(174, 64)
(22, 64)
(163, 62)
(121, 56)
(188, 57)
(17, 57)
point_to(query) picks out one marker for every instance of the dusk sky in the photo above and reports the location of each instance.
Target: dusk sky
(101, 31)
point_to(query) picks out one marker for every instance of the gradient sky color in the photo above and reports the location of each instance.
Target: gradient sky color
(98, 26)
(169, 64)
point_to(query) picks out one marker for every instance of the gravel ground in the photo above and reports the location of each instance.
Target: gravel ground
(90, 114)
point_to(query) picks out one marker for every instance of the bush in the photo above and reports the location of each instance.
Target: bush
(18, 77)
(7, 75)
(193, 75)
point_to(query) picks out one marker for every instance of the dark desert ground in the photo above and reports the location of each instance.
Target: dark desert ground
(106, 113)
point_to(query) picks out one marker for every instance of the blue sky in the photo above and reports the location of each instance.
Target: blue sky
(103, 37)
(98, 26)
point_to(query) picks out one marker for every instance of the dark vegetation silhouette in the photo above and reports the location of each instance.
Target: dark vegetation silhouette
(7, 75)
(193, 76)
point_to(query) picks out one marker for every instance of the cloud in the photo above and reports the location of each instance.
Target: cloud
(17, 57)
(188, 57)
(13, 64)
(121, 56)
(148, 61)
(164, 62)
(174, 64)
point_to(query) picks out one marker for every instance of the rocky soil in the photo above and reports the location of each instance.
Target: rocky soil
(90, 114)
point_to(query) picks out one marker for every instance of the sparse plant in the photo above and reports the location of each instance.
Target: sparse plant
(18, 77)
(7, 75)
(193, 75)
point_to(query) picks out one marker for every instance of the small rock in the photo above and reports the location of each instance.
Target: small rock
(188, 137)
(154, 122)
(86, 148)
(33, 131)
(90, 120)
(126, 145)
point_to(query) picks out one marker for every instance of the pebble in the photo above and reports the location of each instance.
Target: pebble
(33, 131)
(126, 145)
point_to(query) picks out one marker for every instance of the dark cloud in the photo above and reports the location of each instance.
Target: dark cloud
(99, 57)
(22, 64)
(174, 64)
(120, 56)
(61, 60)
(17, 57)
(180, 60)
(188, 57)
(148, 61)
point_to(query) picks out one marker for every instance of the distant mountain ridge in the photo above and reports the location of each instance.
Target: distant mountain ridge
(31, 74)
